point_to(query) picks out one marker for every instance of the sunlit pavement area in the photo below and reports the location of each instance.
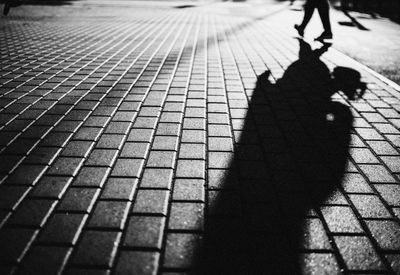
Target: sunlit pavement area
(191, 137)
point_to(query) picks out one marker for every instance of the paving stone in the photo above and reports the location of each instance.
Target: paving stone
(341, 219)
(119, 188)
(361, 155)
(192, 151)
(137, 262)
(79, 199)
(51, 187)
(394, 261)
(353, 182)
(110, 141)
(27, 174)
(190, 169)
(11, 196)
(189, 190)
(127, 168)
(390, 193)
(97, 248)
(109, 214)
(386, 233)
(135, 150)
(102, 157)
(63, 228)
(377, 174)
(45, 260)
(369, 206)
(165, 143)
(33, 212)
(383, 148)
(64, 166)
(314, 236)
(91, 176)
(195, 136)
(14, 243)
(88, 133)
(161, 159)
(143, 135)
(151, 201)
(358, 253)
(168, 129)
(144, 231)
(157, 178)
(186, 216)
(319, 263)
(42, 155)
(178, 251)
(77, 149)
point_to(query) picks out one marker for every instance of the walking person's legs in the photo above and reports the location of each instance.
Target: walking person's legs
(323, 10)
(308, 12)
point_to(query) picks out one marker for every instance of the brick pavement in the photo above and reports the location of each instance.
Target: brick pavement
(152, 141)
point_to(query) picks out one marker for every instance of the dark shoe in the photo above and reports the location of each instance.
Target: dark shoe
(299, 30)
(324, 35)
(6, 9)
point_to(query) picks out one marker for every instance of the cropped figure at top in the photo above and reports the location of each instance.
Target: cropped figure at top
(323, 10)
(11, 4)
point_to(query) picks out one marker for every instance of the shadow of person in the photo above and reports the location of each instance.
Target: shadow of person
(289, 158)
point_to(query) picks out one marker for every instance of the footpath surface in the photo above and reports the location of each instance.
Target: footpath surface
(148, 138)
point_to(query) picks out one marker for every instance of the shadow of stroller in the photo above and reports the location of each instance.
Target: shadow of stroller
(290, 158)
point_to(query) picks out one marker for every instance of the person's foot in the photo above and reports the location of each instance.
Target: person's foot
(299, 30)
(6, 9)
(325, 35)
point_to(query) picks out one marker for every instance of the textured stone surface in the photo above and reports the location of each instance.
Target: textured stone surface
(135, 136)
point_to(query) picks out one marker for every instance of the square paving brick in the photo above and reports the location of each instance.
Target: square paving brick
(14, 242)
(189, 190)
(64, 166)
(151, 201)
(369, 206)
(63, 228)
(186, 216)
(137, 262)
(109, 214)
(156, 178)
(27, 174)
(358, 253)
(33, 212)
(192, 151)
(135, 150)
(79, 199)
(190, 169)
(110, 141)
(377, 174)
(341, 219)
(119, 188)
(77, 149)
(51, 187)
(314, 236)
(386, 233)
(161, 159)
(319, 263)
(178, 251)
(97, 248)
(390, 193)
(144, 231)
(127, 168)
(91, 176)
(45, 260)
(102, 157)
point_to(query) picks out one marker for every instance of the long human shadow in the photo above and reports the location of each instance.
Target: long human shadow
(290, 157)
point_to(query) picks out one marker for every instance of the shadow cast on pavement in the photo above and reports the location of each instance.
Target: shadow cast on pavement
(291, 156)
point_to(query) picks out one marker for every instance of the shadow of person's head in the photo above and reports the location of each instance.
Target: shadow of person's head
(348, 81)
